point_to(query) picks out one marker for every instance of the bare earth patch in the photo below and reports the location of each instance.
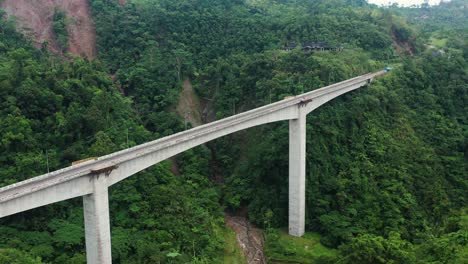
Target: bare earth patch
(188, 106)
(249, 238)
(34, 18)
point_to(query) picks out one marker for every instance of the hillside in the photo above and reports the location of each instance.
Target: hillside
(386, 165)
(36, 19)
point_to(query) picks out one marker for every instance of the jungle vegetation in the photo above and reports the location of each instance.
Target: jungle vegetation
(387, 170)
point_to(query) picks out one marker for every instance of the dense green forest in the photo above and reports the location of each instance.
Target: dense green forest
(387, 165)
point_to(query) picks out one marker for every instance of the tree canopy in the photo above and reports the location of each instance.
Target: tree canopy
(386, 165)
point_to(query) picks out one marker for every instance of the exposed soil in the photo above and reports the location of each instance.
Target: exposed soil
(249, 238)
(188, 106)
(34, 18)
(402, 47)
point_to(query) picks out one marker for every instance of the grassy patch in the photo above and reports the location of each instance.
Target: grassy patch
(232, 252)
(438, 42)
(283, 248)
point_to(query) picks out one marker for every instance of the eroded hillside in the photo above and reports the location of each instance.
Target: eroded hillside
(35, 18)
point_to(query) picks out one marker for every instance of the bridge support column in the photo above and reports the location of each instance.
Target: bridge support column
(97, 224)
(297, 153)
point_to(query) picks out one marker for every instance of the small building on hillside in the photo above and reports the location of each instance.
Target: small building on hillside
(314, 46)
(290, 46)
(320, 46)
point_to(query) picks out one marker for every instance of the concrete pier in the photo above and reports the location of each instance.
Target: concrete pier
(97, 223)
(297, 154)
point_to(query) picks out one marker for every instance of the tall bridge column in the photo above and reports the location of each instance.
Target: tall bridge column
(297, 154)
(97, 225)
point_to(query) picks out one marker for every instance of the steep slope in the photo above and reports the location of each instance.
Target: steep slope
(189, 105)
(35, 18)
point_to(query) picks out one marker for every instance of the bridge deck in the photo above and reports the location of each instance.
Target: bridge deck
(113, 160)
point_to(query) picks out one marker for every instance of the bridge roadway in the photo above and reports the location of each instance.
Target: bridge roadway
(91, 179)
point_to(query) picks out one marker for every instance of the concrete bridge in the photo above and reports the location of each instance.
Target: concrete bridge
(92, 179)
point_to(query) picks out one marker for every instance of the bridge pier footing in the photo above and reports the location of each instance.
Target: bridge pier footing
(297, 154)
(97, 223)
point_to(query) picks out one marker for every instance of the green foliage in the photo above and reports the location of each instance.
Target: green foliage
(447, 16)
(281, 247)
(13, 256)
(66, 234)
(59, 26)
(448, 248)
(386, 165)
(375, 249)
